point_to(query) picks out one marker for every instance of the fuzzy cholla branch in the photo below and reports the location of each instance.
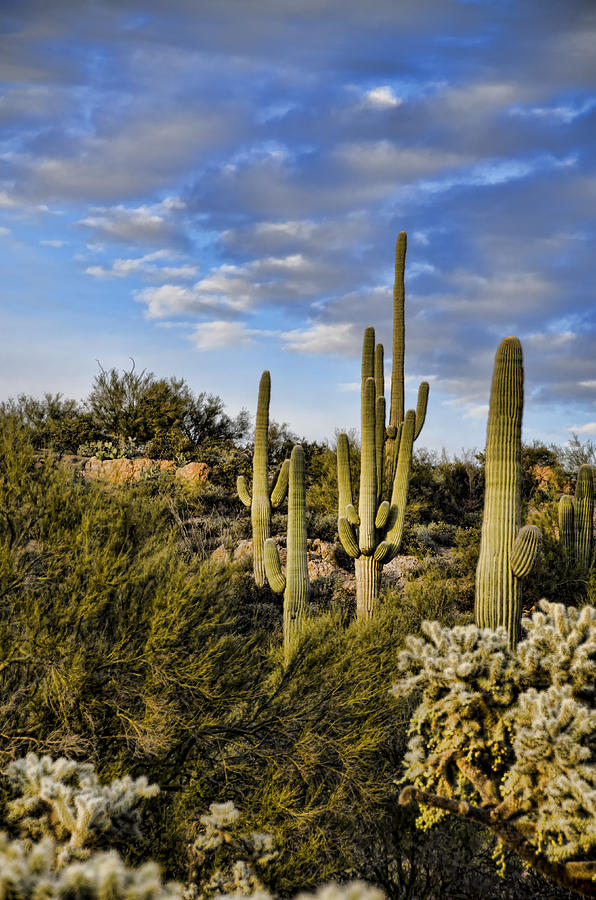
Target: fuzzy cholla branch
(28, 872)
(64, 799)
(222, 862)
(511, 732)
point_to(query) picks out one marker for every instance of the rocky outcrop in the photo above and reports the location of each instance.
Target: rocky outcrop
(194, 473)
(121, 471)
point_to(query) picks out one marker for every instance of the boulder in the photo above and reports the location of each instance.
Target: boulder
(194, 473)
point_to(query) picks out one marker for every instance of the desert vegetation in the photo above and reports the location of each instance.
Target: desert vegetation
(346, 696)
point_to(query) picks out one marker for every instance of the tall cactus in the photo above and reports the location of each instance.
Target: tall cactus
(584, 516)
(295, 586)
(380, 516)
(507, 552)
(262, 498)
(379, 521)
(576, 520)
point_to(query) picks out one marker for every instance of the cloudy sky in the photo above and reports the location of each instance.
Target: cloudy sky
(214, 187)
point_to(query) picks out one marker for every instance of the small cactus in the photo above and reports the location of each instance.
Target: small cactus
(262, 498)
(507, 552)
(295, 586)
(576, 520)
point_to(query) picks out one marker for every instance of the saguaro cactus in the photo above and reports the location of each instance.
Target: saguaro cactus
(384, 451)
(576, 519)
(262, 498)
(379, 521)
(507, 552)
(295, 585)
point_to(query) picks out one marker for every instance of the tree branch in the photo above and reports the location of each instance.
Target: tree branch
(578, 876)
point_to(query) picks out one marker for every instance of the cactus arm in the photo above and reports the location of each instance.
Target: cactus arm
(351, 514)
(380, 442)
(346, 536)
(368, 354)
(281, 485)
(243, 490)
(382, 514)
(381, 554)
(367, 501)
(399, 494)
(584, 516)
(566, 526)
(525, 550)
(275, 577)
(379, 370)
(344, 478)
(396, 412)
(421, 405)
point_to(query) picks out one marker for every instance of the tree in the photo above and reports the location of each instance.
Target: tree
(507, 738)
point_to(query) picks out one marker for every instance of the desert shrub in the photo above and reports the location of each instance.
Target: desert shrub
(509, 733)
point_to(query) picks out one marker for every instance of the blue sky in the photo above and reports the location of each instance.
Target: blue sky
(214, 187)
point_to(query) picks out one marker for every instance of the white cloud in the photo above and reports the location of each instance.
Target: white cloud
(562, 113)
(51, 243)
(273, 279)
(4, 231)
(144, 265)
(381, 97)
(220, 334)
(154, 223)
(588, 428)
(338, 338)
(588, 384)
(549, 340)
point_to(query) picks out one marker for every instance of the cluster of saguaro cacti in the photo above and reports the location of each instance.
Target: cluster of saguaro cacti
(385, 452)
(507, 552)
(576, 520)
(295, 585)
(263, 497)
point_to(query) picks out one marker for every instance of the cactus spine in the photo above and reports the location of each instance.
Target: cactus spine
(295, 586)
(262, 499)
(576, 520)
(507, 552)
(379, 520)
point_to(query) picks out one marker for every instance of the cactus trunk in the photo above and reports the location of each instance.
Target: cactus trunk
(368, 585)
(261, 505)
(295, 585)
(504, 552)
(584, 517)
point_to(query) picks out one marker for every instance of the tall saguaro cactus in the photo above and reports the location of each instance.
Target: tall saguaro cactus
(576, 519)
(507, 552)
(262, 498)
(295, 586)
(379, 521)
(380, 515)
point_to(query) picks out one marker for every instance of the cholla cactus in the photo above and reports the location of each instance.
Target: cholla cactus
(223, 862)
(263, 497)
(64, 798)
(29, 873)
(512, 732)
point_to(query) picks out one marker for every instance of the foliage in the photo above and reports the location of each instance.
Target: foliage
(52, 421)
(449, 491)
(509, 731)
